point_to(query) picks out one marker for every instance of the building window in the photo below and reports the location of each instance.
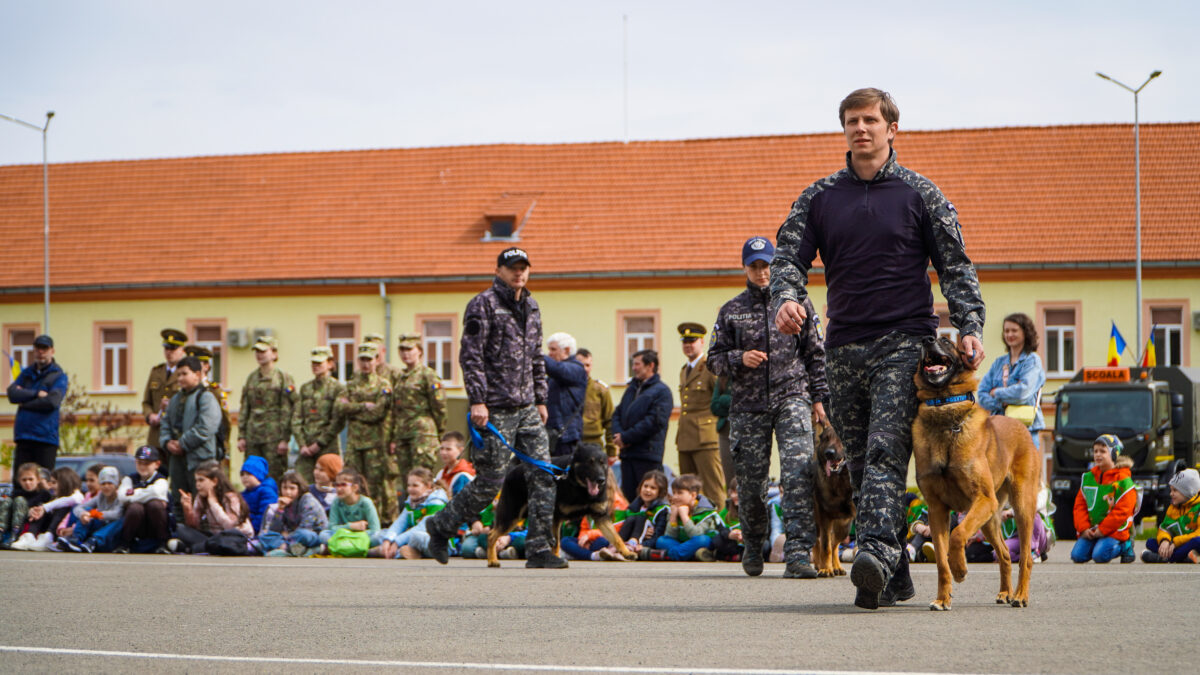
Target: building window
(1167, 324)
(341, 335)
(112, 369)
(1060, 331)
(210, 334)
(945, 328)
(438, 342)
(637, 330)
(18, 344)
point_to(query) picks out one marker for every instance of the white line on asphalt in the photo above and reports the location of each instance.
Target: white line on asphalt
(441, 665)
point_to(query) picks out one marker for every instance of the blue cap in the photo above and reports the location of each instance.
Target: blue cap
(147, 453)
(757, 248)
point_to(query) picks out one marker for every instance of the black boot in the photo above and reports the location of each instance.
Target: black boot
(752, 558)
(869, 576)
(900, 586)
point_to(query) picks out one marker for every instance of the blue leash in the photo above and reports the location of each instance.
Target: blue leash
(477, 441)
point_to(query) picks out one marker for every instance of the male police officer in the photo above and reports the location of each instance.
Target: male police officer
(776, 382)
(162, 383)
(505, 378)
(876, 225)
(696, 437)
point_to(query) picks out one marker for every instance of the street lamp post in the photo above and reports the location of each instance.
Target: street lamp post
(1137, 173)
(45, 216)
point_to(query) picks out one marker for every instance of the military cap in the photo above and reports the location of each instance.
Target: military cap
(410, 340)
(266, 342)
(374, 337)
(173, 339)
(199, 352)
(511, 256)
(368, 350)
(321, 354)
(689, 330)
(757, 248)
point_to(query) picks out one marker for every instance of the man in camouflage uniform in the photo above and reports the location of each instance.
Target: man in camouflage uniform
(597, 409)
(876, 226)
(364, 407)
(315, 422)
(265, 418)
(389, 373)
(204, 356)
(777, 382)
(162, 383)
(505, 378)
(418, 409)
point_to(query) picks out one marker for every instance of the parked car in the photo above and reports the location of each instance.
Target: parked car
(124, 464)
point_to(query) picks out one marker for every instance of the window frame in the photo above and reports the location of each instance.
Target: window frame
(9, 329)
(98, 348)
(624, 356)
(194, 325)
(419, 321)
(323, 323)
(952, 333)
(1044, 346)
(1185, 315)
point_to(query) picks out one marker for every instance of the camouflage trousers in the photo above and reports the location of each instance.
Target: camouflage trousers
(14, 511)
(417, 445)
(277, 464)
(379, 468)
(874, 403)
(523, 429)
(304, 464)
(750, 444)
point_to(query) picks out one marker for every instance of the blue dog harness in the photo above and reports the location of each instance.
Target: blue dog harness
(477, 441)
(935, 402)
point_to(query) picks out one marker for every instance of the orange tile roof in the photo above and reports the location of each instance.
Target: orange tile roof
(1027, 195)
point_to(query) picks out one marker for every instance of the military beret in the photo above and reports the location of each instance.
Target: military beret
(410, 340)
(173, 339)
(689, 330)
(377, 338)
(321, 354)
(368, 350)
(266, 342)
(199, 352)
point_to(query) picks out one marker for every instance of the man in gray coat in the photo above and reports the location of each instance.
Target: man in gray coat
(189, 431)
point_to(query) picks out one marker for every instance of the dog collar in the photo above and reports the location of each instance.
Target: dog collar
(969, 396)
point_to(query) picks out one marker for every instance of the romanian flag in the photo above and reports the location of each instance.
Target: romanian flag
(1116, 345)
(1150, 358)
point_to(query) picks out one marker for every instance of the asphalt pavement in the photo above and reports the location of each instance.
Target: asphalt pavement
(111, 613)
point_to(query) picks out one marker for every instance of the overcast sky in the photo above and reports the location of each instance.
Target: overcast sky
(168, 79)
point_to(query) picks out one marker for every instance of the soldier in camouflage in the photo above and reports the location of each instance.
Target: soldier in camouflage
(265, 418)
(777, 382)
(418, 409)
(315, 422)
(389, 373)
(162, 383)
(505, 378)
(364, 407)
(876, 226)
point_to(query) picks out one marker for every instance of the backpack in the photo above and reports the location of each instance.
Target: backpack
(228, 543)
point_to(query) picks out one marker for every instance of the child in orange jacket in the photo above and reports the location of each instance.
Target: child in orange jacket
(1104, 505)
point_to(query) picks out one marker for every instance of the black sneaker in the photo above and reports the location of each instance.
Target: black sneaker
(899, 587)
(65, 544)
(86, 547)
(752, 559)
(1149, 556)
(869, 576)
(1127, 556)
(439, 547)
(546, 560)
(800, 569)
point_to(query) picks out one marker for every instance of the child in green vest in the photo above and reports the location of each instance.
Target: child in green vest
(1178, 537)
(692, 523)
(1104, 505)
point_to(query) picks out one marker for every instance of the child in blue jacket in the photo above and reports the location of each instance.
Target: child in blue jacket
(261, 490)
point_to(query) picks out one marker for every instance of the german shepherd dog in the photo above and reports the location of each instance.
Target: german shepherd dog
(587, 489)
(973, 463)
(833, 498)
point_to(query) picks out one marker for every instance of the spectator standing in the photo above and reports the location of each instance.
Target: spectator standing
(265, 418)
(597, 409)
(189, 430)
(1016, 379)
(696, 437)
(315, 421)
(205, 356)
(38, 393)
(418, 408)
(640, 422)
(568, 382)
(162, 383)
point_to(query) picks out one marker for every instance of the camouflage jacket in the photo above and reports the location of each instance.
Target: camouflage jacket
(501, 354)
(315, 419)
(267, 403)
(876, 239)
(795, 364)
(417, 392)
(365, 428)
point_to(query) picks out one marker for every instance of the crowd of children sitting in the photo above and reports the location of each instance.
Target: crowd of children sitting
(335, 515)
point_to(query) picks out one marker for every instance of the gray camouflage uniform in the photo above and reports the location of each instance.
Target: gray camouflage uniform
(502, 366)
(876, 239)
(777, 395)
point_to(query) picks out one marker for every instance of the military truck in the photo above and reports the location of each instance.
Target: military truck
(1154, 411)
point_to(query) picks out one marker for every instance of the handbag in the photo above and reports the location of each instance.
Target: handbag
(1025, 414)
(347, 543)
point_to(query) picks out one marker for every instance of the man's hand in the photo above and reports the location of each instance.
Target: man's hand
(282, 448)
(972, 351)
(543, 413)
(174, 447)
(752, 358)
(479, 415)
(818, 410)
(790, 317)
(618, 442)
(152, 419)
(43, 394)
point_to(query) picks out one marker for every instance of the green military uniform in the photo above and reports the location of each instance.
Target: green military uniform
(597, 416)
(388, 372)
(418, 413)
(696, 437)
(315, 418)
(161, 385)
(265, 418)
(366, 447)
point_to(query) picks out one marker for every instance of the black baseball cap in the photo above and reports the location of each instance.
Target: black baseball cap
(43, 341)
(511, 256)
(147, 453)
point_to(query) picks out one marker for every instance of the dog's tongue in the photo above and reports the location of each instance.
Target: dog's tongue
(829, 467)
(593, 488)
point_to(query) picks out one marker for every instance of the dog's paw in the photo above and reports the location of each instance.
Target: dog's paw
(493, 563)
(939, 606)
(839, 571)
(958, 566)
(826, 573)
(1003, 598)
(1019, 603)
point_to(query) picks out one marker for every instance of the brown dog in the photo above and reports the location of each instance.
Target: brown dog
(971, 462)
(833, 507)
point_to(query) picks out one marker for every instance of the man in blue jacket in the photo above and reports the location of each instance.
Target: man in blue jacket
(38, 393)
(639, 423)
(568, 381)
